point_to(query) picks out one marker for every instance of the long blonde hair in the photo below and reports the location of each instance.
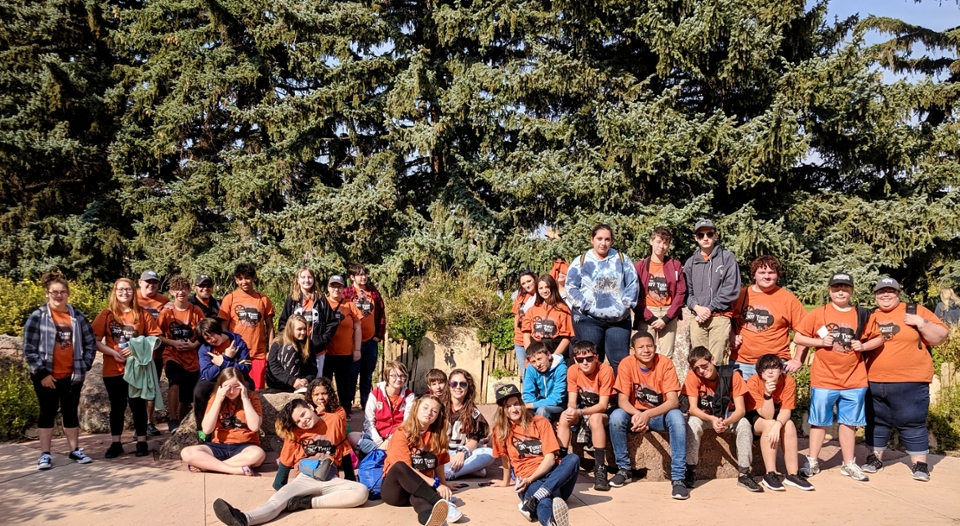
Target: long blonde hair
(438, 429)
(501, 422)
(114, 304)
(287, 337)
(295, 293)
(949, 298)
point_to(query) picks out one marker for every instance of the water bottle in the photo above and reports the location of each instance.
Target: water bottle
(123, 344)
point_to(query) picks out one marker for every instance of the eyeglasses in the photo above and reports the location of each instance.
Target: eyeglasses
(398, 377)
(585, 359)
(709, 233)
(58, 292)
(461, 385)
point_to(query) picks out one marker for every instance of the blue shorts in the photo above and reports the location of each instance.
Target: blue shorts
(224, 451)
(851, 409)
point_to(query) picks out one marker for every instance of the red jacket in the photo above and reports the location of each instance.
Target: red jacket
(676, 287)
(385, 419)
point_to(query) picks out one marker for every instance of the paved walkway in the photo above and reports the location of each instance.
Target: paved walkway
(131, 491)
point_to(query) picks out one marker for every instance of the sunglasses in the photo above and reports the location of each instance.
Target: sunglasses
(710, 234)
(585, 359)
(461, 385)
(700, 367)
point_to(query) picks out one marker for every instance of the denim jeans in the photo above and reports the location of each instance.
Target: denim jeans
(550, 412)
(363, 368)
(902, 406)
(671, 422)
(560, 481)
(747, 369)
(479, 459)
(612, 338)
(521, 359)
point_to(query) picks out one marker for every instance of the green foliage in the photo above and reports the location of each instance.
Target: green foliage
(948, 351)
(19, 408)
(944, 419)
(802, 377)
(19, 300)
(500, 372)
(500, 335)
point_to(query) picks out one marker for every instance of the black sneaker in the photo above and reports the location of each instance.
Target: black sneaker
(142, 449)
(772, 481)
(114, 451)
(622, 477)
(172, 426)
(921, 472)
(228, 514)
(528, 508)
(680, 491)
(746, 480)
(152, 431)
(873, 465)
(600, 474)
(798, 482)
(78, 456)
(303, 502)
(690, 476)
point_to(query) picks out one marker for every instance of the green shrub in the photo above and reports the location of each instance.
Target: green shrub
(944, 419)
(802, 377)
(500, 335)
(18, 300)
(19, 408)
(948, 351)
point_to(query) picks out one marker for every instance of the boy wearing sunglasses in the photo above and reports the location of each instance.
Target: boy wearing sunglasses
(589, 389)
(713, 284)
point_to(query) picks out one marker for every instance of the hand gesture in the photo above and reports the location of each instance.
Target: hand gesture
(703, 313)
(48, 382)
(244, 392)
(913, 320)
(769, 386)
(640, 422)
(719, 426)
(230, 351)
(222, 391)
(217, 359)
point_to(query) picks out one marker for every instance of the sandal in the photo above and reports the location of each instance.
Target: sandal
(248, 471)
(194, 469)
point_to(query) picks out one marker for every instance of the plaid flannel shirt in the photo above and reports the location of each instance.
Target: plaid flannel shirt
(40, 336)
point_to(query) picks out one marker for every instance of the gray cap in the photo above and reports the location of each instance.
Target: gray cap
(886, 283)
(841, 279)
(704, 223)
(149, 275)
(337, 279)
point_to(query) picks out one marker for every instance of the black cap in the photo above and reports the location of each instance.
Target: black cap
(506, 391)
(841, 279)
(201, 279)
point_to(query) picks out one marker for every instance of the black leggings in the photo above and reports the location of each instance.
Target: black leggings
(201, 397)
(117, 390)
(64, 397)
(404, 487)
(339, 367)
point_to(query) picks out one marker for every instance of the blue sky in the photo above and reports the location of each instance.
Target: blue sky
(932, 14)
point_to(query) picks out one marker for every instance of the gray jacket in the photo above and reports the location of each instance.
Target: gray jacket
(714, 283)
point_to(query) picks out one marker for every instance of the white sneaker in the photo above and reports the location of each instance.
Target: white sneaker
(80, 457)
(453, 514)
(811, 468)
(482, 473)
(438, 516)
(45, 462)
(561, 514)
(852, 470)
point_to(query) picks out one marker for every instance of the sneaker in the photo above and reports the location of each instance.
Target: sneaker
(453, 514)
(152, 431)
(873, 465)
(680, 491)
(772, 481)
(80, 457)
(690, 476)
(852, 470)
(114, 451)
(528, 508)
(481, 473)
(798, 482)
(439, 513)
(811, 468)
(622, 477)
(600, 475)
(303, 502)
(228, 514)
(45, 462)
(746, 480)
(921, 472)
(172, 426)
(561, 514)
(142, 449)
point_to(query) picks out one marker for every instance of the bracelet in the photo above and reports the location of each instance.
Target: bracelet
(436, 482)
(464, 450)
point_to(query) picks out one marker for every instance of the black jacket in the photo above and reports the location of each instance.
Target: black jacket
(285, 364)
(208, 312)
(324, 321)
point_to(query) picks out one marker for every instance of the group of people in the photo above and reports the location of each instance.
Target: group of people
(584, 378)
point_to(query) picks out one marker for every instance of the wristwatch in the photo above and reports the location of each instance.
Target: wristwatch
(768, 397)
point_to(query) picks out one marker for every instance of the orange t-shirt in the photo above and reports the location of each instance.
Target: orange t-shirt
(545, 321)
(526, 448)
(646, 389)
(327, 437)
(106, 326)
(63, 346)
(785, 394)
(587, 390)
(765, 320)
(419, 458)
(179, 325)
(247, 316)
(903, 357)
(362, 301)
(657, 293)
(520, 305)
(705, 390)
(347, 314)
(152, 305)
(837, 368)
(232, 421)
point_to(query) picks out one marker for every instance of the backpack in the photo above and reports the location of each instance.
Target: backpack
(721, 396)
(370, 472)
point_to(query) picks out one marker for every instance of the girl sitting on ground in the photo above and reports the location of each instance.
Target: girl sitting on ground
(466, 427)
(323, 397)
(387, 407)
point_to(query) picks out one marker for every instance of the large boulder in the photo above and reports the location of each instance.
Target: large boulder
(11, 352)
(95, 404)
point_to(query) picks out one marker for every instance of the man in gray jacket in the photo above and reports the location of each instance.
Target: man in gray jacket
(713, 285)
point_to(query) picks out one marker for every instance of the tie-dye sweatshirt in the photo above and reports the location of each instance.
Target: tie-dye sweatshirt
(605, 289)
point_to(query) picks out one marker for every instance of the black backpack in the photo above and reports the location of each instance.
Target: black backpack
(721, 396)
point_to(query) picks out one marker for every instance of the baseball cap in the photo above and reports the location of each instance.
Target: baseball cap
(149, 275)
(506, 391)
(201, 279)
(704, 223)
(337, 279)
(886, 283)
(841, 279)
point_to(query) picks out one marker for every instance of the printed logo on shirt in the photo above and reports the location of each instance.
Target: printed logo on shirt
(587, 398)
(363, 305)
(309, 314)
(889, 329)
(64, 336)
(247, 316)
(646, 395)
(657, 287)
(423, 460)
(317, 445)
(705, 399)
(757, 318)
(544, 328)
(528, 447)
(229, 420)
(180, 331)
(127, 331)
(842, 336)
(153, 312)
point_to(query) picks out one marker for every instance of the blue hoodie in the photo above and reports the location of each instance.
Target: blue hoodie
(241, 361)
(549, 388)
(605, 289)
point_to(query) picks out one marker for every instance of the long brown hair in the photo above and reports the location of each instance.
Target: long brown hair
(438, 429)
(554, 297)
(114, 304)
(287, 337)
(465, 416)
(501, 423)
(295, 293)
(228, 374)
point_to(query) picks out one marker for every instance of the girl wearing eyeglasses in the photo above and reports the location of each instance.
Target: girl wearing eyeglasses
(232, 420)
(466, 427)
(387, 407)
(548, 320)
